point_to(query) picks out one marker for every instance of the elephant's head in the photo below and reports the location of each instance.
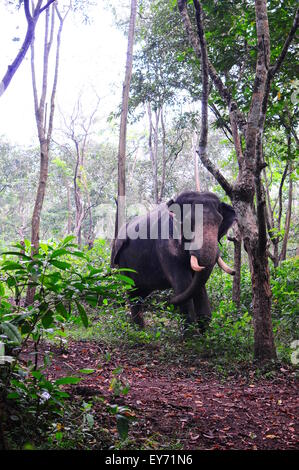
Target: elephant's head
(215, 219)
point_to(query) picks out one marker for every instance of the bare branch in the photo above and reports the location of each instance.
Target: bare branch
(31, 23)
(202, 148)
(46, 6)
(273, 70)
(217, 174)
(222, 89)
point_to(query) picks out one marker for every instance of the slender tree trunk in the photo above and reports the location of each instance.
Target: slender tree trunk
(196, 160)
(237, 269)
(236, 239)
(69, 209)
(40, 196)
(283, 252)
(153, 142)
(77, 192)
(90, 234)
(120, 217)
(163, 176)
(44, 124)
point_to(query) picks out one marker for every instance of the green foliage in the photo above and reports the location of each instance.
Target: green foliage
(62, 285)
(123, 418)
(235, 338)
(65, 281)
(229, 337)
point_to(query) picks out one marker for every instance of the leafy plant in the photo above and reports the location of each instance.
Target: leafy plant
(66, 283)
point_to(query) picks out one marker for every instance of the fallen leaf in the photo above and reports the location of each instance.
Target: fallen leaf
(199, 403)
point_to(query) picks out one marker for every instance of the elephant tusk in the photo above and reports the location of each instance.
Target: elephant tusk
(194, 264)
(224, 266)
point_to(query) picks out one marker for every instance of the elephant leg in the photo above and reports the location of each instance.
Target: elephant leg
(180, 282)
(188, 312)
(202, 308)
(136, 309)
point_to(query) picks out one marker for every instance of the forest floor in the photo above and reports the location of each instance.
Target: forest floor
(180, 403)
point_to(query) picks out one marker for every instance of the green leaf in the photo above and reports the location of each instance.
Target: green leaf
(79, 254)
(68, 239)
(127, 279)
(83, 314)
(2, 290)
(60, 264)
(12, 266)
(36, 374)
(17, 253)
(27, 244)
(12, 395)
(122, 426)
(60, 308)
(12, 332)
(93, 301)
(87, 371)
(59, 252)
(90, 420)
(47, 319)
(44, 247)
(67, 380)
(19, 384)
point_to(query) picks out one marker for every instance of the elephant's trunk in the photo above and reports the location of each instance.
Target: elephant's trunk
(188, 293)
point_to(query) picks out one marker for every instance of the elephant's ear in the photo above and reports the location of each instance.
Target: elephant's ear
(229, 217)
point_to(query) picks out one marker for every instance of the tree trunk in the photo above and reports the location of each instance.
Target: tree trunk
(40, 196)
(283, 252)
(77, 192)
(69, 209)
(153, 142)
(124, 116)
(163, 172)
(237, 265)
(44, 126)
(264, 347)
(121, 192)
(196, 160)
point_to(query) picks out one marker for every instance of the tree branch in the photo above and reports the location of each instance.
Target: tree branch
(275, 68)
(222, 89)
(202, 148)
(211, 167)
(31, 23)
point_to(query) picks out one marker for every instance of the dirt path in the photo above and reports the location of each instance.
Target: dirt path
(186, 406)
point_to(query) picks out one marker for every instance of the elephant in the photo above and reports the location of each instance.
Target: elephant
(183, 262)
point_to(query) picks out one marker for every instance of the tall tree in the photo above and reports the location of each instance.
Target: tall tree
(43, 122)
(246, 192)
(120, 213)
(280, 157)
